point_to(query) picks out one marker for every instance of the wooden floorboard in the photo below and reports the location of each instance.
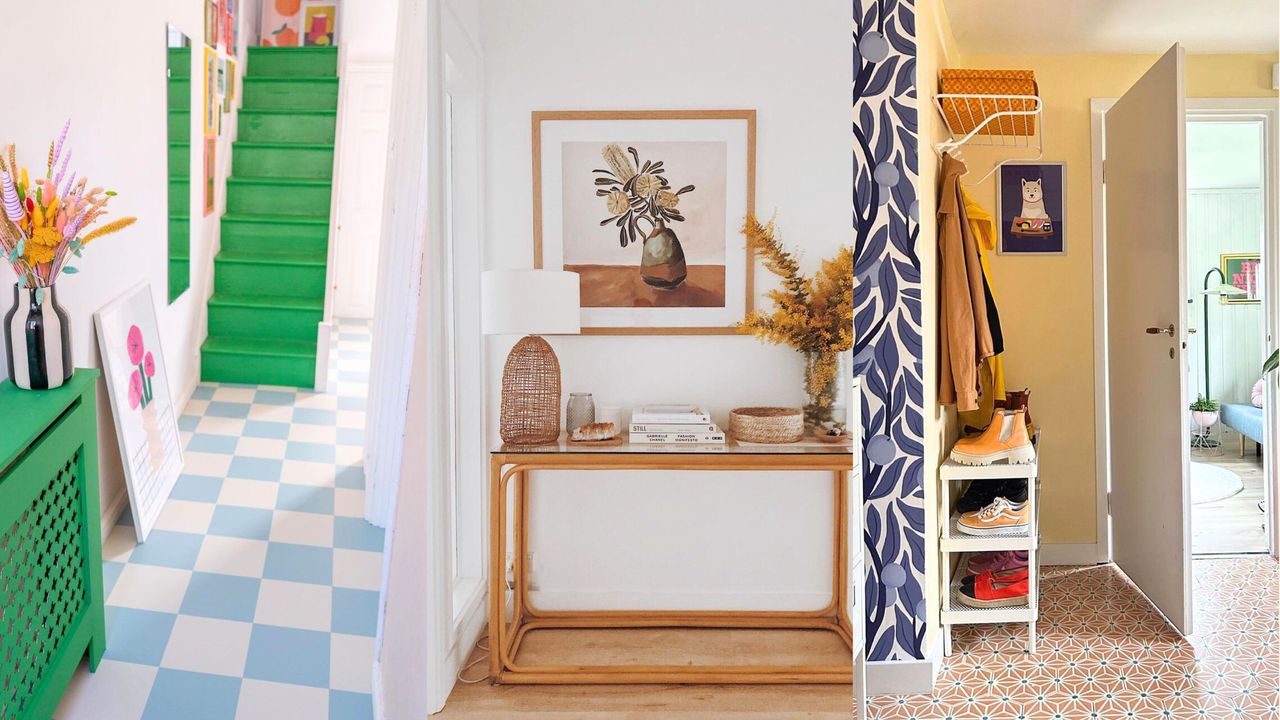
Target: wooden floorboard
(1233, 525)
(679, 702)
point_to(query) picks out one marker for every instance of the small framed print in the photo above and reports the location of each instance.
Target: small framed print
(1243, 272)
(1031, 208)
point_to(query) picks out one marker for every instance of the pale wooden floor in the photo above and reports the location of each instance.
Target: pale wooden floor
(677, 702)
(1233, 525)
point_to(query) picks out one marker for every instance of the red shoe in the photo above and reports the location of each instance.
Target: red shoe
(987, 592)
(1001, 576)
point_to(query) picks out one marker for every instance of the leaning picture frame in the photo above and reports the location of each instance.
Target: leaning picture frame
(647, 207)
(146, 425)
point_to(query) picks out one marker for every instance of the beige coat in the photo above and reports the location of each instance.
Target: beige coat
(964, 337)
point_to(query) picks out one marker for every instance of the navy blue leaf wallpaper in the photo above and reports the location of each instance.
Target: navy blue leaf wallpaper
(887, 316)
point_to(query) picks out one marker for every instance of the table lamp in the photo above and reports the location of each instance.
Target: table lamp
(530, 303)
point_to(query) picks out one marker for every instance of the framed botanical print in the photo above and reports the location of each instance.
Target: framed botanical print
(1243, 271)
(1031, 208)
(647, 207)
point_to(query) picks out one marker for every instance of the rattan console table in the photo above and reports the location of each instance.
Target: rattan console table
(510, 621)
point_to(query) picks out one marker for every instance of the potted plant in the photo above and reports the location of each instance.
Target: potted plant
(44, 225)
(814, 315)
(1204, 411)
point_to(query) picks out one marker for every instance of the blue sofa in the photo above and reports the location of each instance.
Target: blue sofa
(1244, 419)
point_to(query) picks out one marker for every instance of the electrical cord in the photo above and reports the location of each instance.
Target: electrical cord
(483, 647)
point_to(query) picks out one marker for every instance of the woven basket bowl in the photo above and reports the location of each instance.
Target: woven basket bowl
(774, 425)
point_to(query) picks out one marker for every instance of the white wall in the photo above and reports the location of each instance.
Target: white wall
(367, 50)
(417, 655)
(109, 79)
(692, 540)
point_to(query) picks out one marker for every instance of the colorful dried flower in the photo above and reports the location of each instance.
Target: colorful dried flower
(667, 199)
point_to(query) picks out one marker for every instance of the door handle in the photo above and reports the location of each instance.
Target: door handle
(1191, 331)
(1161, 330)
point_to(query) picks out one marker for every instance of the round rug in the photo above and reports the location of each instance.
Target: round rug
(1210, 483)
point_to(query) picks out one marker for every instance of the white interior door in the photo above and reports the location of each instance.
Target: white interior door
(1145, 185)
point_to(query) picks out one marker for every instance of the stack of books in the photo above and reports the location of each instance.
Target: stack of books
(680, 424)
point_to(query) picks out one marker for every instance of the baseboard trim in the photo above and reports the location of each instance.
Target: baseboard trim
(111, 515)
(905, 677)
(324, 330)
(650, 600)
(1069, 554)
(375, 688)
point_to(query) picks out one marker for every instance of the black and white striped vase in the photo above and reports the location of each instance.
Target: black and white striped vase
(37, 339)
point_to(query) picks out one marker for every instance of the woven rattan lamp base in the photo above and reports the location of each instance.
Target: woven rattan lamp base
(530, 394)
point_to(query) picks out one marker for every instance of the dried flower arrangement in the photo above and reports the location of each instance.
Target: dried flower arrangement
(43, 220)
(811, 314)
(633, 195)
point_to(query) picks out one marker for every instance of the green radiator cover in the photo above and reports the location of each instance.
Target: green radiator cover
(51, 603)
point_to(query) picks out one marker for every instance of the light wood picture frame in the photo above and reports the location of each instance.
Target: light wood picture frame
(647, 206)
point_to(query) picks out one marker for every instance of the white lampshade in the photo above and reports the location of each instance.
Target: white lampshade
(1225, 289)
(530, 302)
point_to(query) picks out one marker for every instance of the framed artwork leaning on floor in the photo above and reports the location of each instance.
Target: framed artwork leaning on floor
(1031, 208)
(647, 207)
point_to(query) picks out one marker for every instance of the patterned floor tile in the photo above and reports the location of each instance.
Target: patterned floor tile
(1104, 653)
(248, 600)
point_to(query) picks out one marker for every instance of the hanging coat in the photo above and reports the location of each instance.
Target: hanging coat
(965, 336)
(991, 372)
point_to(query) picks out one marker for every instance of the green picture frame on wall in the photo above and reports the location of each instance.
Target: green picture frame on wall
(1241, 270)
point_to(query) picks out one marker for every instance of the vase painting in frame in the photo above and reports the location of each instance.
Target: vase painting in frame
(1031, 208)
(141, 406)
(647, 208)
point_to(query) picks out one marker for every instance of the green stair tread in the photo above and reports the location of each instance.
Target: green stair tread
(287, 50)
(273, 257)
(291, 182)
(287, 111)
(276, 219)
(254, 144)
(285, 302)
(260, 346)
(316, 79)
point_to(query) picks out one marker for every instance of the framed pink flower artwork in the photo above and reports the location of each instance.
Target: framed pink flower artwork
(141, 405)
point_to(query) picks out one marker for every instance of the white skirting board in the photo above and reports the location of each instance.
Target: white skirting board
(652, 600)
(322, 357)
(1070, 554)
(905, 677)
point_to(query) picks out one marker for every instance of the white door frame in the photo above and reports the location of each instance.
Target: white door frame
(1266, 107)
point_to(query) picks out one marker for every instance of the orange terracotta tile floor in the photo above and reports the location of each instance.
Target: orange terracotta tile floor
(1104, 653)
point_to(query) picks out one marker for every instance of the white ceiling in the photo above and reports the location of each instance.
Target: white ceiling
(1058, 27)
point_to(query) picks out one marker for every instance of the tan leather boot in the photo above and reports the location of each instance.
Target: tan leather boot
(1004, 439)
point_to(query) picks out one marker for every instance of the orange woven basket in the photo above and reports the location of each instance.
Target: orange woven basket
(964, 114)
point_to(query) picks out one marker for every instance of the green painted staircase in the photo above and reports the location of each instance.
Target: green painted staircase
(179, 171)
(269, 276)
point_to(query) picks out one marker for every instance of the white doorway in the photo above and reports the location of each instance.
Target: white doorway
(1256, 116)
(1227, 197)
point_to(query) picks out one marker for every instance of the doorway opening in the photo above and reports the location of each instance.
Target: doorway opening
(1228, 225)
(1227, 198)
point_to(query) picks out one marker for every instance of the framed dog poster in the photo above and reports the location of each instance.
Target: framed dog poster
(1031, 208)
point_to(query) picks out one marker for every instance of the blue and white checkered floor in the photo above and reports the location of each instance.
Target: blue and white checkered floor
(256, 596)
